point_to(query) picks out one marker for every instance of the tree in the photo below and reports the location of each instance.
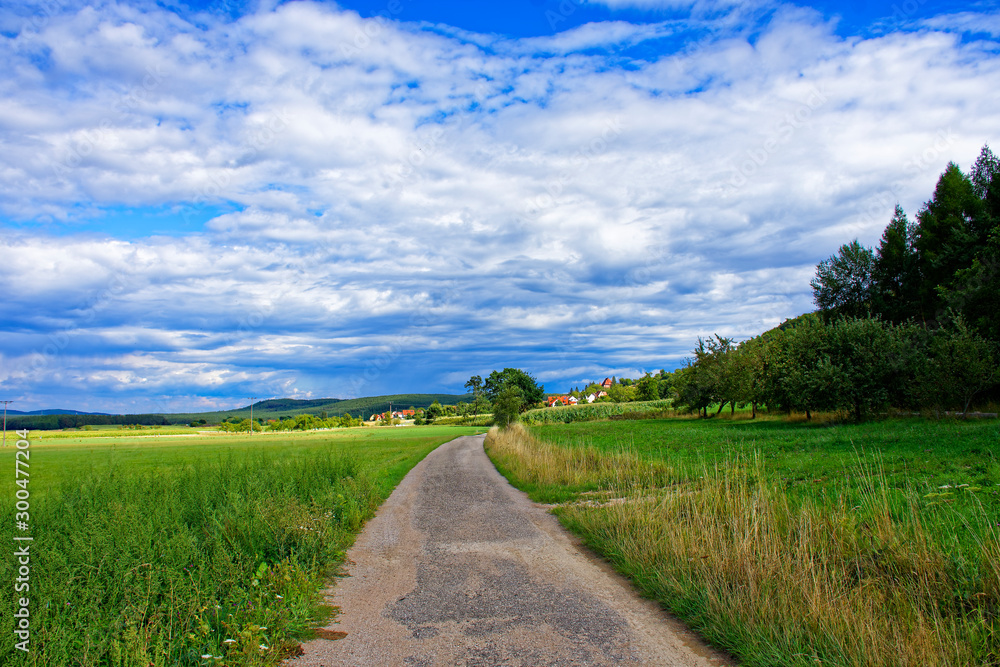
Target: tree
(975, 293)
(811, 379)
(896, 278)
(698, 383)
(648, 387)
(843, 281)
(948, 236)
(507, 405)
(622, 393)
(434, 410)
(748, 373)
(475, 385)
(984, 172)
(497, 381)
(961, 365)
(863, 365)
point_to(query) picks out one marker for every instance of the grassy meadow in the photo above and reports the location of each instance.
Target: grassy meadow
(789, 542)
(202, 550)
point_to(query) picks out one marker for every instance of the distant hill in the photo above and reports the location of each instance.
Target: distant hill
(269, 409)
(290, 407)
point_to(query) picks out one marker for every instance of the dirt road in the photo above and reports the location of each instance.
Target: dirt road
(460, 568)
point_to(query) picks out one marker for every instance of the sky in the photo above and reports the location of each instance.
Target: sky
(203, 202)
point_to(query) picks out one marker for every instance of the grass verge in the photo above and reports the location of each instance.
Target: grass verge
(854, 571)
(184, 552)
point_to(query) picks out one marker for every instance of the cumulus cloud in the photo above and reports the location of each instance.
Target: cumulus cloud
(408, 205)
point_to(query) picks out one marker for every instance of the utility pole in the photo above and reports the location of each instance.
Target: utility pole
(5, 421)
(252, 399)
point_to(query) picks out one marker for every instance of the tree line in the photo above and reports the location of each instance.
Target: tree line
(912, 324)
(303, 422)
(54, 422)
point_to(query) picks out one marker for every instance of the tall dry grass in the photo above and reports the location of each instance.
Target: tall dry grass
(869, 577)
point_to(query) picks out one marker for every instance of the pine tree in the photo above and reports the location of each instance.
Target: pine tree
(896, 280)
(947, 236)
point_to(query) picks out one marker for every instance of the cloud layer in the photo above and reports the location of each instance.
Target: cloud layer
(395, 207)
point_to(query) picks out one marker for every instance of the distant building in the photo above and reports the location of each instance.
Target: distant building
(607, 383)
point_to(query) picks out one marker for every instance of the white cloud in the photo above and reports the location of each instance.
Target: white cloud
(412, 202)
(972, 22)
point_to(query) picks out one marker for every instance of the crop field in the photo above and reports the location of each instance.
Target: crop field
(202, 550)
(787, 542)
(594, 411)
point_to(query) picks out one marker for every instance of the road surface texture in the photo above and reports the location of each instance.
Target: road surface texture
(460, 568)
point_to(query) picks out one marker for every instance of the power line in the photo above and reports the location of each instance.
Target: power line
(5, 421)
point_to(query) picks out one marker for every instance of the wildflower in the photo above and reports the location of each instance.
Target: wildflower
(207, 656)
(263, 647)
(228, 641)
(945, 486)
(280, 597)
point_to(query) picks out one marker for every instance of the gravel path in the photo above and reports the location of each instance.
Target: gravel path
(460, 568)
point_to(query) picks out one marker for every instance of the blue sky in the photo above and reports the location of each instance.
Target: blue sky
(207, 201)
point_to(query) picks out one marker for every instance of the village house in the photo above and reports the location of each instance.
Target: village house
(562, 400)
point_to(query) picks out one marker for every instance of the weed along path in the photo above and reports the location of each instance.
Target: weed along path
(460, 568)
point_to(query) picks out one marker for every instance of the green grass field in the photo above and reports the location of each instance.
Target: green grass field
(204, 550)
(786, 542)
(809, 458)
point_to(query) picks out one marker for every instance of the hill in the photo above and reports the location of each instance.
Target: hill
(289, 407)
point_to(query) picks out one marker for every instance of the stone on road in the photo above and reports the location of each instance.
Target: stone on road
(460, 568)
